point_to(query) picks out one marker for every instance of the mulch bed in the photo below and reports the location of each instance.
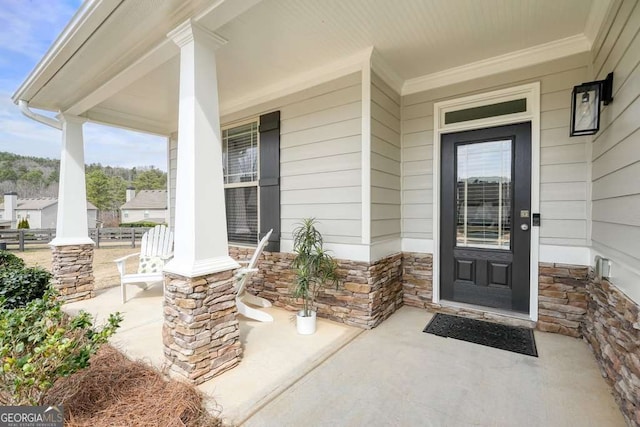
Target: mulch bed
(116, 391)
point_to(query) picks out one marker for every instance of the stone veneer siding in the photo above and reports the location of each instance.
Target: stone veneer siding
(367, 294)
(417, 283)
(612, 329)
(562, 298)
(201, 334)
(417, 279)
(72, 268)
(570, 302)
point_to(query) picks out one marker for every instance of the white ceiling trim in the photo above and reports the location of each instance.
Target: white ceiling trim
(153, 59)
(498, 64)
(385, 71)
(127, 121)
(183, 34)
(222, 12)
(291, 85)
(596, 19)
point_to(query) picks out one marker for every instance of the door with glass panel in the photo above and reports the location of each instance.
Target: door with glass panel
(485, 217)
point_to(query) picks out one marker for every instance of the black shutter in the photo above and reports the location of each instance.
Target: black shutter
(270, 179)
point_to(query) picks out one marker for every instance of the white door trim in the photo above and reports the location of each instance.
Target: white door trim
(532, 114)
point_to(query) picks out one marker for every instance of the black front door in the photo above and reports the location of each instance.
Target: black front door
(485, 217)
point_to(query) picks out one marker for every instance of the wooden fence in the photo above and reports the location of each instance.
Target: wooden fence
(19, 239)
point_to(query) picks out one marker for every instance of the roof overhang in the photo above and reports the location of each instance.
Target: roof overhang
(110, 71)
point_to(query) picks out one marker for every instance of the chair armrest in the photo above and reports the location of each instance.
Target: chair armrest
(243, 271)
(125, 257)
(120, 263)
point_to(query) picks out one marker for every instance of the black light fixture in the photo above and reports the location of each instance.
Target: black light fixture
(585, 105)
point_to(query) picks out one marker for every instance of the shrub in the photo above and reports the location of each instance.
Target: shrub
(139, 224)
(9, 260)
(313, 265)
(24, 223)
(39, 344)
(18, 286)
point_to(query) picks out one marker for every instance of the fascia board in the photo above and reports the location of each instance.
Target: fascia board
(84, 23)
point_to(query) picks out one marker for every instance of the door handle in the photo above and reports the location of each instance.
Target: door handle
(524, 227)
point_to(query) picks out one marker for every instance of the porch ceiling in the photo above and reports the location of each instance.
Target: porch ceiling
(273, 41)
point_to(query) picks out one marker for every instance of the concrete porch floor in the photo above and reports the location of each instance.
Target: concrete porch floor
(393, 375)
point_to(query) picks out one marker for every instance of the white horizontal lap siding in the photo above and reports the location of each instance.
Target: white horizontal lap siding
(385, 162)
(320, 157)
(320, 167)
(563, 161)
(616, 151)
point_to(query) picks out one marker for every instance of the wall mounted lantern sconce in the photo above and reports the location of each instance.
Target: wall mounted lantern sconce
(585, 105)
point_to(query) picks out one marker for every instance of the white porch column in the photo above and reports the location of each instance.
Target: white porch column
(72, 224)
(72, 264)
(201, 334)
(200, 217)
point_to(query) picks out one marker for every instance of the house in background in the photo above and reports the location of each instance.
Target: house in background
(429, 138)
(40, 212)
(146, 206)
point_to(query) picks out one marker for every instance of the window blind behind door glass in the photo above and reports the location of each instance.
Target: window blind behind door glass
(483, 194)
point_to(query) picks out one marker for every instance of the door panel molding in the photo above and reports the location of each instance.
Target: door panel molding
(532, 114)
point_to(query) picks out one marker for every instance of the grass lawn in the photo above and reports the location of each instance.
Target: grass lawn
(104, 269)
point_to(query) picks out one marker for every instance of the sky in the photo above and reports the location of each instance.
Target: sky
(27, 29)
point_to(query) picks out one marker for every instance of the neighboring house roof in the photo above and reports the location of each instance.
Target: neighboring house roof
(39, 203)
(147, 199)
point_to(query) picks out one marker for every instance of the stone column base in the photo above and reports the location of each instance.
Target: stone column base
(201, 334)
(72, 269)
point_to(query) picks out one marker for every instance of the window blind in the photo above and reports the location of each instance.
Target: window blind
(240, 168)
(483, 194)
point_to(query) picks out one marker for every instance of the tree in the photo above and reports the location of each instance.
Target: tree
(151, 179)
(99, 190)
(34, 177)
(8, 174)
(54, 176)
(118, 190)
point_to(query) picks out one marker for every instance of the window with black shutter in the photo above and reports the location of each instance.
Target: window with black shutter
(251, 165)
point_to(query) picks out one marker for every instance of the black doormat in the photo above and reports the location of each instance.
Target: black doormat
(510, 338)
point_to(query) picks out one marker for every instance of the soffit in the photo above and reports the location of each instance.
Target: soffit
(153, 97)
(130, 31)
(276, 40)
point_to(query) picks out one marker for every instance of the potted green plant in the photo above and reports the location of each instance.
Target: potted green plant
(314, 268)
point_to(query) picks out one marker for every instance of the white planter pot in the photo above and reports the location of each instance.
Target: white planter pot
(306, 325)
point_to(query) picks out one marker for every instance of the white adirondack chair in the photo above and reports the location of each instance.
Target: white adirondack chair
(156, 248)
(243, 297)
